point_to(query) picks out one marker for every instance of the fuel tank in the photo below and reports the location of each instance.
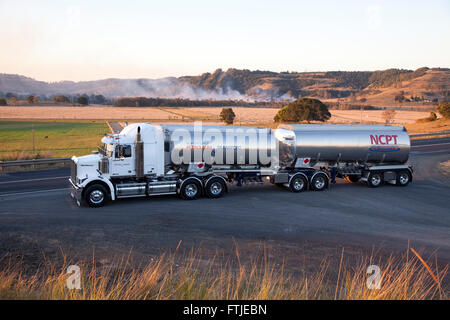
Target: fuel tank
(218, 144)
(344, 143)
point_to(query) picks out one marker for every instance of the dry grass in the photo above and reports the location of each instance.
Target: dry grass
(82, 113)
(25, 155)
(189, 277)
(440, 125)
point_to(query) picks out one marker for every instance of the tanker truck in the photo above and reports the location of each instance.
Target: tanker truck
(192, 161)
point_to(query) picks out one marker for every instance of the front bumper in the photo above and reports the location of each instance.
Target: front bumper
(75, 192)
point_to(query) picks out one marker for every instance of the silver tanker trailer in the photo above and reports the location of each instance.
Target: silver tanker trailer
(194, 160)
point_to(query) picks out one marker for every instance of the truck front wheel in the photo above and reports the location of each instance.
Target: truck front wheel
(95, 195)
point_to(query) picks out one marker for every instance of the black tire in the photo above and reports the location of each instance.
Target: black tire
(298, 183)
(375, 179)
(403, 178)
(319, 182)
(352, 178)
(190, 189)
(215, 187)
(96, 195)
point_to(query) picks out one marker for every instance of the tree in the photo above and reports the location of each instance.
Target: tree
(3, 102)
(304, 109)
(13, 100)
(83, 100)
(444, 109)
(227, 115)
(389, 115)
(31, 99)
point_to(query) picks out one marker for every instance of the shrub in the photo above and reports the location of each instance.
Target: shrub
(444, 109)
(3, 102)
(227, 115)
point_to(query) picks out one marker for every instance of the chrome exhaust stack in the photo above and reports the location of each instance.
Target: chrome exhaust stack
(139, 155)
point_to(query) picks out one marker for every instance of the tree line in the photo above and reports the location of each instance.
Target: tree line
(83, 99)
(178, 102)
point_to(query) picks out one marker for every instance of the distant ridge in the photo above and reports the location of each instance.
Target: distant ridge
(248, 85)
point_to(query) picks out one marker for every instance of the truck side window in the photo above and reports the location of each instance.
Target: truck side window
(123, 151)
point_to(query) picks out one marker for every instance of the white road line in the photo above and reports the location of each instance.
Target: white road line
(32, 192)
(30, 180)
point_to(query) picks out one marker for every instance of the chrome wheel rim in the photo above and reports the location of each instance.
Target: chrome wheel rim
(96, 196)
(404, 178)
(298, 184)
(216, 188)
(191, 190)
(376, 180)
(319, 183)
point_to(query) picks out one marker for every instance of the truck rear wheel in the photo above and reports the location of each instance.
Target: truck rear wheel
(298, 183)
(215, 188)
(96, 195)
(375, 179)
(403, 178)
(190, 189)
(319, 182)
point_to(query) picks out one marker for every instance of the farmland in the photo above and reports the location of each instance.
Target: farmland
(51, 139)
(244, 115)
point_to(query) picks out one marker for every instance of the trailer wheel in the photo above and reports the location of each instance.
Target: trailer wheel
(319, 182)
(190, 189)
(352, 178)
(95, 195)
(375, 179)
(215, 188)
(403, 178)
(298, 183)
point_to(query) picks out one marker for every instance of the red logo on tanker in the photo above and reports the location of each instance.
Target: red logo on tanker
(384, 142)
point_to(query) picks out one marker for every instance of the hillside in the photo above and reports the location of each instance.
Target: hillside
(371, 87)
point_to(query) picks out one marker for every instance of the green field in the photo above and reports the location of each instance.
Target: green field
(31, 139)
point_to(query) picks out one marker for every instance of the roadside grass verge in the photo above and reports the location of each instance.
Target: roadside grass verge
(186, 276)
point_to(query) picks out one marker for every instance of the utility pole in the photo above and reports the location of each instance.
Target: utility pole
(361, 114)
(32, 129)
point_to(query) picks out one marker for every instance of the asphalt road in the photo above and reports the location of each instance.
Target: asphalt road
(37, 216)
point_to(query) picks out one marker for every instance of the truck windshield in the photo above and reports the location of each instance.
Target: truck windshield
(109, 149)
(106, 150)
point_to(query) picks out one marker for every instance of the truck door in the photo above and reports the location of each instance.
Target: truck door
(123, 161)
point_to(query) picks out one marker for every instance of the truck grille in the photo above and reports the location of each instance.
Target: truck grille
(73, 171)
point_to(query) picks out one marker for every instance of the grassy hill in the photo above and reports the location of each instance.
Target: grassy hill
(419, 87)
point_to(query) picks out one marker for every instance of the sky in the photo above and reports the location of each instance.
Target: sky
(88, 40)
